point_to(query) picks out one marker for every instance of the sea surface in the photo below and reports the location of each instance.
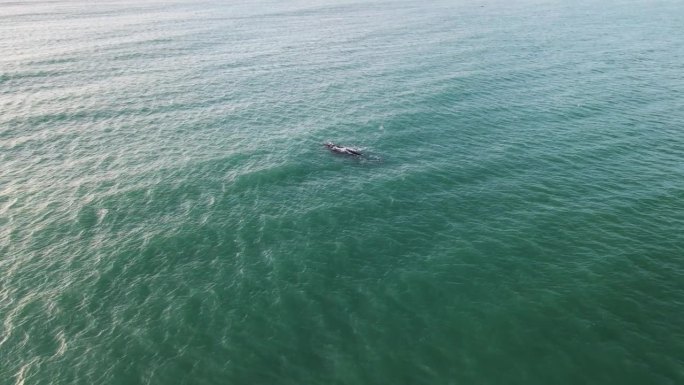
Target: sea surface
(169, 214)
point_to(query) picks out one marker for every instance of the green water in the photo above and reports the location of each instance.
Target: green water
(168, 214)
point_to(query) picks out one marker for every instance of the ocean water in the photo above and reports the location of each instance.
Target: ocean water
(168, 214)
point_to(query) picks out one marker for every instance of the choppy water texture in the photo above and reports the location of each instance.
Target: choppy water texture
(168, 214)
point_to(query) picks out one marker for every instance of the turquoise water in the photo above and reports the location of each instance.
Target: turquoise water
(168, 214)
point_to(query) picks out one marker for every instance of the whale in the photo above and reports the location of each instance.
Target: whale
(342, 149)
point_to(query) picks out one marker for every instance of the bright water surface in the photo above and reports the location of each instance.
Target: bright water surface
(168, 214)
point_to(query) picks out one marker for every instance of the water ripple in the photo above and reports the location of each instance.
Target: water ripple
(168, 213)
